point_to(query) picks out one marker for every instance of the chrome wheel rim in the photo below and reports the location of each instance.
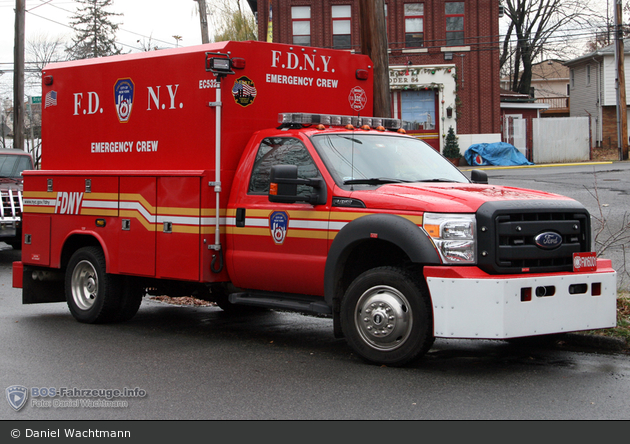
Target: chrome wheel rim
(84, 285)
(383, 318)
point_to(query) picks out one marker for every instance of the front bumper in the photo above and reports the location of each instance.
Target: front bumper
(469, 303)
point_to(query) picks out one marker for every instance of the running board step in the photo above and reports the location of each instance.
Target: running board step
(272, 300)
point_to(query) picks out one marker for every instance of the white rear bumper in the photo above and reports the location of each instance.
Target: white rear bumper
(468, 303)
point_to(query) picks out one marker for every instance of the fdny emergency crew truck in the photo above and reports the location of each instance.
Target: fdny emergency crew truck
(251, 174)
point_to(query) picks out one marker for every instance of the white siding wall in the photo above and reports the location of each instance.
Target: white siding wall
(561, 139)
(584, 97)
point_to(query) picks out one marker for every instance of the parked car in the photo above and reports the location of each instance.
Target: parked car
(12, 163)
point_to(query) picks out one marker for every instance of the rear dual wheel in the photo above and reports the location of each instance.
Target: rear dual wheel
(93, 295)
(386, 316)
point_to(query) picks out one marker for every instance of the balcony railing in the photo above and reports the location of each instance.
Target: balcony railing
(555, 103)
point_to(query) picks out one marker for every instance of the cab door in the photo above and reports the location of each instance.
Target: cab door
(279, 247)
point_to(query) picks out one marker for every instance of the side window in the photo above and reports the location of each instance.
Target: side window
(282, 151)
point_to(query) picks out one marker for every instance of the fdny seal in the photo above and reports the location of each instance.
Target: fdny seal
(279, 224)
(123, 96)
(357, 98)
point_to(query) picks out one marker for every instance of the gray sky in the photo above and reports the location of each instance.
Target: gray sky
(142, 19)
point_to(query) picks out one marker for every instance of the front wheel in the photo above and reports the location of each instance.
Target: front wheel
(386, 316)
(93, 296)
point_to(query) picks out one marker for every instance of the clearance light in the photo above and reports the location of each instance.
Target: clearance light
(336, 120)
(238, 63)
(453, 235)
(362, 74)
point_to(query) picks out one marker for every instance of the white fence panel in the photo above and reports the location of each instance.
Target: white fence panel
(561, 139)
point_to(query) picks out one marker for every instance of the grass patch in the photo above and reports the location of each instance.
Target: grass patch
(622, 331)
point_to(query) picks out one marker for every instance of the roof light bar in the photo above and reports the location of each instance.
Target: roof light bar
(336, 120)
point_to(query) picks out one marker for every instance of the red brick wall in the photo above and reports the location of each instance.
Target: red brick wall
(478, 69)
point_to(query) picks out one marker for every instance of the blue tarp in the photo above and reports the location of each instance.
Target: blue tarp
(499, 153)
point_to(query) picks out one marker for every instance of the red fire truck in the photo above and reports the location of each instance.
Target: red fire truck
(251, 174)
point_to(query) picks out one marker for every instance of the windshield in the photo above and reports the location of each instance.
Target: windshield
(372, 159)
(12, 165)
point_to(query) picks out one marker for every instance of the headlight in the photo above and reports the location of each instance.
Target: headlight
(453, 235)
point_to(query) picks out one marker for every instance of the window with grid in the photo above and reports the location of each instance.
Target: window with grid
(454, 12)
(301, 22)
(341, 22)
(414, 25)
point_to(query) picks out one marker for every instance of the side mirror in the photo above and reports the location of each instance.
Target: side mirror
(478, 176)
(283, 183)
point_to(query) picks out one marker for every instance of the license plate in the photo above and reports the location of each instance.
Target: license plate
(585, 261)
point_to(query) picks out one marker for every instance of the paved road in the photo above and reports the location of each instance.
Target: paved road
(196, 363)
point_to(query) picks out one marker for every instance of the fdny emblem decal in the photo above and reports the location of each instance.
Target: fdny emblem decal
(279, 224)
(357, 98)
(244, 91)
(16, 396)
(123, 95)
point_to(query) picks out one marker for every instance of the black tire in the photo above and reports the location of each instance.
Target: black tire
(386, 317)
(93, 296)
(16, 244)
(130, 300)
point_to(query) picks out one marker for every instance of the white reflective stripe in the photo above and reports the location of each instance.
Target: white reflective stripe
(137, 206)
(336, 226)
(312, 224)
(110, 204)
(213, 220)
(179, 220)
(255, 222)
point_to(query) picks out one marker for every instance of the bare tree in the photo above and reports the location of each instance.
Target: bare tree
(40, 51)
(537, 25)
(232, 21)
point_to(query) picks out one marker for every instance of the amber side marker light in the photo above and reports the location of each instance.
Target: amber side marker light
(273, 189)
(100, 222)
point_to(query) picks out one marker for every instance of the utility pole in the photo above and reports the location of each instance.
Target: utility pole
(18, 76)
(203, 19)
(622, 119)
(374, 44)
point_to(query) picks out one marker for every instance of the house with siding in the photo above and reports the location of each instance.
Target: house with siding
(443, 57)
(550, 86)
(593, 93)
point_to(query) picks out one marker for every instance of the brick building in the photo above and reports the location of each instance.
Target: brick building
(443, 57)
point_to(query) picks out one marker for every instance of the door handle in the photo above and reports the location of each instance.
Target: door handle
(240, 217)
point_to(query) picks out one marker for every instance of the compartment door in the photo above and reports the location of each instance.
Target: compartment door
(178, 228)
(138, 209)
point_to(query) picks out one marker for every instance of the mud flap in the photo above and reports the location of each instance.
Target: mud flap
(42, 285)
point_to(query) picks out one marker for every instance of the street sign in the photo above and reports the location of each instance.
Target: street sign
(36, 100)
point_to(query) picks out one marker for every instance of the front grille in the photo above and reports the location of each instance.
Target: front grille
(508, 235)
(11, 200)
